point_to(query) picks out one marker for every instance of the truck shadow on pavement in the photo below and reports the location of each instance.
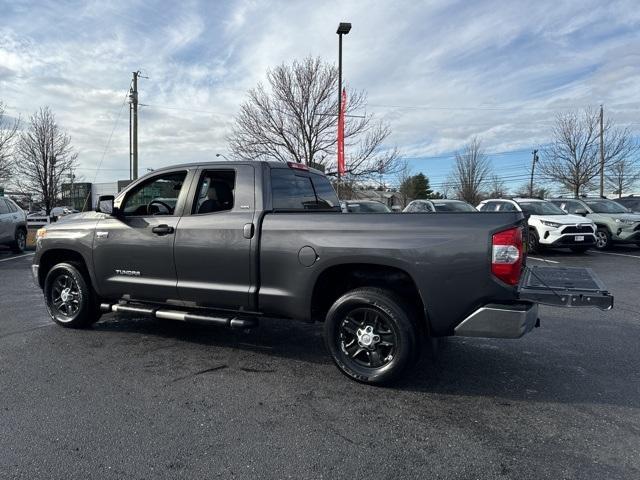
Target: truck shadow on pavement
(509, 371)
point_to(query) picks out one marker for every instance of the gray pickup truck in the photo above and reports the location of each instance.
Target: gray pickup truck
(236, 242)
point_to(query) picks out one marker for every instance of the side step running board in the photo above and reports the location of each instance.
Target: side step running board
(182, 316)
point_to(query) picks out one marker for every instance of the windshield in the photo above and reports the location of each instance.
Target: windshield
(541, 208)
(453, 207)
(605, 206)
(366, 207)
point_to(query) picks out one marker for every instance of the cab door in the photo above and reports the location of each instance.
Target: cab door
(213, 249)
(133, 251)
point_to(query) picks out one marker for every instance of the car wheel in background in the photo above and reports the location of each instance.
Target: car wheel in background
(533, 242)
(68, 297)
(603, 239)
(20, 242)
(370, 336)
(579, 249)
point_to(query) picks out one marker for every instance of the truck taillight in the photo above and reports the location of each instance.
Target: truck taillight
(506, 255)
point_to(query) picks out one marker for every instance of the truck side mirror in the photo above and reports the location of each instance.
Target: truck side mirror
(105, 204)
(581, 211)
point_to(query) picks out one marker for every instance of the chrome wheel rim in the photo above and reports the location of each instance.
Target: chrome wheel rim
(601, 239)
(367, 338)
(65, 296)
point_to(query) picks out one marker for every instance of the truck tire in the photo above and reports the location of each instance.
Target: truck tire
(371, 336)
(68, 296)
(20, 242)
(533, 242)
(603, 238)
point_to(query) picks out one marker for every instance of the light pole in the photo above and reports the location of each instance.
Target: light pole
(343, 29)
(223, 156)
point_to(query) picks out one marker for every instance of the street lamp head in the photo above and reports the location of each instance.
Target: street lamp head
(343, 28)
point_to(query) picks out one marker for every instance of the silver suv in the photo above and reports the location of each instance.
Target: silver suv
(615, 223)
(13, 225)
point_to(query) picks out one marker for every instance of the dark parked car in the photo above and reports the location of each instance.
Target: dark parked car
(260, 240)
(631, 202)
(363, 206)
(13, 225)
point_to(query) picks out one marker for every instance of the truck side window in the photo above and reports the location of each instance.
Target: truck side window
(215, 192)
(292, 190)
(156, 196)
(3, 207)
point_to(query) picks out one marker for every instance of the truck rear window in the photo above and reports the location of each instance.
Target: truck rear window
(294, 190)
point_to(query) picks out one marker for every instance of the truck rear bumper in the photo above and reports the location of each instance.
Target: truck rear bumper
(499, 321)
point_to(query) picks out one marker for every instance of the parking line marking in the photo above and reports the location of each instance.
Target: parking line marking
(19, 256)
(541, 259)
(618, 254)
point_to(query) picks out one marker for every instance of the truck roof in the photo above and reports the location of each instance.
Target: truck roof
(269, 163)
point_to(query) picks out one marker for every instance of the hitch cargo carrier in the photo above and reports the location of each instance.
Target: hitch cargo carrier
(564, 287)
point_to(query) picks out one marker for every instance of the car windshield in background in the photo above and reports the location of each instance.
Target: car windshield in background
(366, 207)
(605, 206)
(453, 207)
(541, 208)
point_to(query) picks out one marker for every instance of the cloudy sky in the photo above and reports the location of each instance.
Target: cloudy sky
(439, 72)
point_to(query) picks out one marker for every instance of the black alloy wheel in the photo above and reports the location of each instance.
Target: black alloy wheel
(371, 335)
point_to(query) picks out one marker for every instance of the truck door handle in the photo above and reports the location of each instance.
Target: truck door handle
(162, 229)
(247, 231)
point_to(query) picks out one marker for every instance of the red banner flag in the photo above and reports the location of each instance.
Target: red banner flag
(343, 106)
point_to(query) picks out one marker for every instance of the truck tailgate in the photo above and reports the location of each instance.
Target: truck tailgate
(564, 287)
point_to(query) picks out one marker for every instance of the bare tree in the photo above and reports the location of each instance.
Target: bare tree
(497, 187)
(471, 169)
(525, 192)
(45, 157)
(8, 133)
(295, 120)
(573, 158)
(622, 175)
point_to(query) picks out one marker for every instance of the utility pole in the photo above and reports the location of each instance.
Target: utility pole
(533, 167)
(133, 98)
(601, 151)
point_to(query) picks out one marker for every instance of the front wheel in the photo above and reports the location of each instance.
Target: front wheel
(68, 296)
(603, 239)
(533, 242)
(20, 242)
(370, 336)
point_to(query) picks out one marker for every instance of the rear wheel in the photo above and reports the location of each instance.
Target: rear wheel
(68, 297)
(603, 239)
(579, 249)
(370, 336)
(20, 242)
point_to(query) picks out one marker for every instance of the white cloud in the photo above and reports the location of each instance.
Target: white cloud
(438, 72)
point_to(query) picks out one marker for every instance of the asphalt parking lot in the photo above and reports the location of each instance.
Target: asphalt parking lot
(139, 398)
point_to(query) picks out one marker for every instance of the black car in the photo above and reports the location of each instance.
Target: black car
(630, 202)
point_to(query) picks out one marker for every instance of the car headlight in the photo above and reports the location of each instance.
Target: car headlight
(625, 221)
(550, 224)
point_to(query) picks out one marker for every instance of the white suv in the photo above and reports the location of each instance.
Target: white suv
(549, 226)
